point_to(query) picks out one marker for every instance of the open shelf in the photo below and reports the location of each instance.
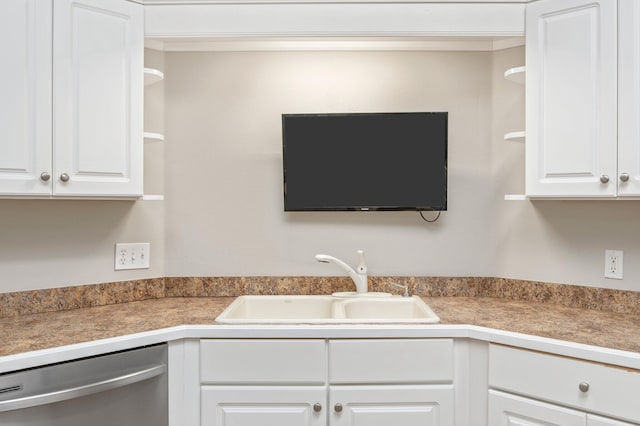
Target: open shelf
(517, 74)
(150, 197)
(152, 75)
(515, 136)
(153, 136)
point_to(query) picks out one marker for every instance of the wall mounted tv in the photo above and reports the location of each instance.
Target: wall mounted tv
(365, 161)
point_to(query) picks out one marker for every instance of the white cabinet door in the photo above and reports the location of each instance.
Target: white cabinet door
(629, 99)
(571, 88)
(510, 410)
(263, 406)
(98, 97)
(391, 405)
(603, 421)
(25, 101)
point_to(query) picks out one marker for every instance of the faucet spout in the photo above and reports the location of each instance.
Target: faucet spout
(359, 276)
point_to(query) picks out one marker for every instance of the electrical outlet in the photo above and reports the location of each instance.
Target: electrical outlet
(132, 256)
(613, 264)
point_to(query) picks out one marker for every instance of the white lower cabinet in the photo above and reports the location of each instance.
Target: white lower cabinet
(511, 410)
(375, 382)
(391, 405)
(393, 382)
(305, 406)
(593, 420)
(529, 388)
(263, 405)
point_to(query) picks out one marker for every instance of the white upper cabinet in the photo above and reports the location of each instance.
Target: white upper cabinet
(571, 98)
(629, 99)
(98, 97)
(72, 118)
(25, 105)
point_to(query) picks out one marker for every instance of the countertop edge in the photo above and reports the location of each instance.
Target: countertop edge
(465, 331)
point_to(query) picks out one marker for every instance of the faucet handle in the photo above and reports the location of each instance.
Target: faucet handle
(362, 266)
(404, 287)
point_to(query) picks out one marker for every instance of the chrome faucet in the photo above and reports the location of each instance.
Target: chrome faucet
(359, 276)
(404, 287)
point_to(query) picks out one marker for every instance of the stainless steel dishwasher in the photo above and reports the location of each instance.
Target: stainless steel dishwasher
(127, 388)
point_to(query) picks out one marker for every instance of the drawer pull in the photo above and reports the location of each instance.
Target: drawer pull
(338, 407)
(317, 407)
(583, 386)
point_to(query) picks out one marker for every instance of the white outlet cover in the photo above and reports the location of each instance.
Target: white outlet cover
(132, 256)
(613, 264)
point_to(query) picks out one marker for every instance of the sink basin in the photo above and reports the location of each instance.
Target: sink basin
(326, 310)
(409, 308)
(282, 308)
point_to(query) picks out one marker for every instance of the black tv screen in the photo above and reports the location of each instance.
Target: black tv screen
(365, 161)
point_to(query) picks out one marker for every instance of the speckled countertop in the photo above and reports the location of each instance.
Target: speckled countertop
(53, 329)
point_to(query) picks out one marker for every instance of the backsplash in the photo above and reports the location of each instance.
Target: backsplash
(67, 298)
(83, 296)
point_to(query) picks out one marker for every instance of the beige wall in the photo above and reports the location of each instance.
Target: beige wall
(554, 241)
(224, 173)
(58, 243)
(47, 243)
(220, 169)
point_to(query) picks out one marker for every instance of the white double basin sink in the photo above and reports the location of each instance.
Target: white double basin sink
(326, 310)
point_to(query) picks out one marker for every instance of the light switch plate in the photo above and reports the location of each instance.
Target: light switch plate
(132, 256)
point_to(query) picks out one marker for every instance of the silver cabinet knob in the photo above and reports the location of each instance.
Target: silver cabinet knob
(583, 386)
(624, 177)
(45, 176)
(338, 407)
(317, 407)
(604, 179)
(64, 177)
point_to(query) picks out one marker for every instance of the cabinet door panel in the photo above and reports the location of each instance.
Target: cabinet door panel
(264, 406)
(510, 410)
(25, 85)
(571, 98)
(98, 97)
(391, 405)
(593, 420)
(629, 98)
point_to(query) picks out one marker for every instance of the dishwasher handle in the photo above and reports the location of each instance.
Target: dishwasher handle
(84, 390)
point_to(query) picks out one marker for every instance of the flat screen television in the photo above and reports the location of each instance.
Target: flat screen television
(365, 161)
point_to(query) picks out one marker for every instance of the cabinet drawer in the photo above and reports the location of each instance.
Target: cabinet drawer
(611, 390)
(391, 361)
(263, 361)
